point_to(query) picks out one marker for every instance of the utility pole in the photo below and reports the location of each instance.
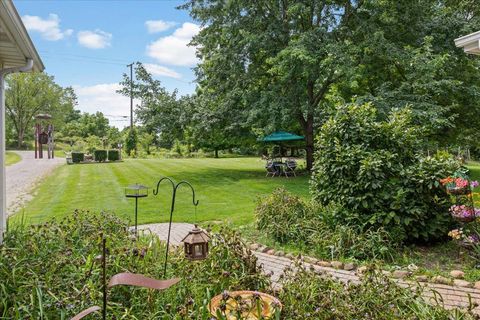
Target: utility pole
(131, 94)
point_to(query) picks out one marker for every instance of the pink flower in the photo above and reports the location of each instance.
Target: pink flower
(461, 183)
(462, 211)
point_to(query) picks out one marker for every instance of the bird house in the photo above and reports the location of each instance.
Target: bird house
(196, 244)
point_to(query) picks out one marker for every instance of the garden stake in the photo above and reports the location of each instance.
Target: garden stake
(136, 191)
(104, 277)
(172, 207)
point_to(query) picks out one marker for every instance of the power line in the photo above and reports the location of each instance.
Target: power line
(85, 57)
(99, 60)
(115, 116)
(83, 60)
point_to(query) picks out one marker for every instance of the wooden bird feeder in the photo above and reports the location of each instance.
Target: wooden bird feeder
(196, 244)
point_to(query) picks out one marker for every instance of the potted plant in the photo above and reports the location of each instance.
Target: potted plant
(464, 238)
(458, 185)
(251, 305)
(462, 213)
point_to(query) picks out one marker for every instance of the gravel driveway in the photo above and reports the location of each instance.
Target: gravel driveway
(23, 176)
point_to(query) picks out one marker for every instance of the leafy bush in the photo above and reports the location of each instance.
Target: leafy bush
(281, 216)
(78, 157)
(50, 271)
(113, 155)
(131, 142)
(372, 168)
(288, 219)
(307, 295)
(100, 155)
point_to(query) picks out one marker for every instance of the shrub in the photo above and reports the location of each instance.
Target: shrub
(289, 220)
(281, 215)
(372, 168)
(113, 155)
(100, 155)
(78, 157)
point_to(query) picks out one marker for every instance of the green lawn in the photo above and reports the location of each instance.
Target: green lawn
(11, 158)
(474, 168)
(226, 188)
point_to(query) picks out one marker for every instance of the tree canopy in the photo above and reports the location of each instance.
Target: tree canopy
(29, 94)
(287, 63)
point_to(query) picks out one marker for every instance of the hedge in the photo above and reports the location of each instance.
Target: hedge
(113, 155)
(78, 157)
(100, 155)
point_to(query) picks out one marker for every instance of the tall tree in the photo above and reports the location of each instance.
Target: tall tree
(29, 94)
(213, 125)
(279, 59)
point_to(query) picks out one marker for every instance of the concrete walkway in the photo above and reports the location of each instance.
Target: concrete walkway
(23, 176)
(452, 296)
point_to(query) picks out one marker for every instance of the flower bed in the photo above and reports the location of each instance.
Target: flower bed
(52, 271)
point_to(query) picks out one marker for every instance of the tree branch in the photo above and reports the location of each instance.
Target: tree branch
(323, 90)
(400, 71)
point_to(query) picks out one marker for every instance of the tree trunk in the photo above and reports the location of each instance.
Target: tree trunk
(20, 136)
(309, 144)
(216, 153)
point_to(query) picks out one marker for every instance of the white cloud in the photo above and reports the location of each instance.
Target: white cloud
(97, 39)
(104, 98)
(154, 26)
(174, 49)
(48, 28)
(158, 70)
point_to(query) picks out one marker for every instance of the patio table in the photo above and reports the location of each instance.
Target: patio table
(280, 167)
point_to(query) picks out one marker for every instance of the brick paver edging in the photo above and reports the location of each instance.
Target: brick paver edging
(451, 296)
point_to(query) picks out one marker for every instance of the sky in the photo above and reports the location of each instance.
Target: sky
(87, 44)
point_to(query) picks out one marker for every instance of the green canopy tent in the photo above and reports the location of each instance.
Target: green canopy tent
(282, 138)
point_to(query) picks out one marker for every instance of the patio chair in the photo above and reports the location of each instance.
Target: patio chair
(271, 169)
(290, 166)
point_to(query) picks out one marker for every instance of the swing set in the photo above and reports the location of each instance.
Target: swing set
(43, 136)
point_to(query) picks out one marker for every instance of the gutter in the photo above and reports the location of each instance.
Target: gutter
(3, 188)
(25, 68)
